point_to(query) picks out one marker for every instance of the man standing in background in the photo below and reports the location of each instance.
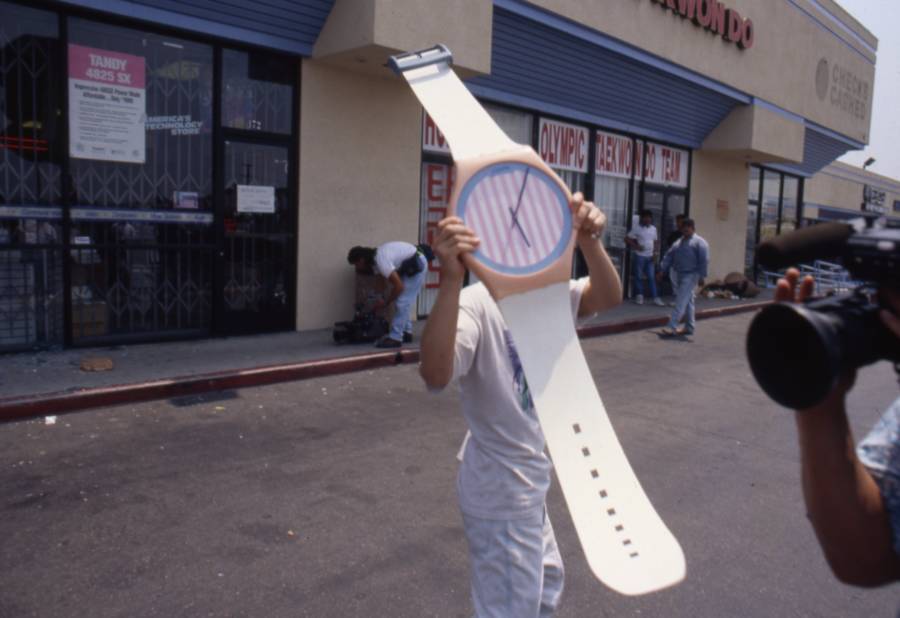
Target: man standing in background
(644, 242)
(689, 258)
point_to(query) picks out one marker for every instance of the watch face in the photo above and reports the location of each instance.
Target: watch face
(520, 214)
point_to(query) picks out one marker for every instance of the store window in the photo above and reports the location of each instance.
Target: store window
(135, 213)
(31, 267)
(257, 92)
(613, 173)
(140, 135)
(662, 191)
(774, 202)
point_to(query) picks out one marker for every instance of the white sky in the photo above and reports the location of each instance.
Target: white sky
(881, 18)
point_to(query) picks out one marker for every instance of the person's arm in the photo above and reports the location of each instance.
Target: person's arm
(436, 352)
(703, 255)
(604, 288)
(843, 501)
(397, 286)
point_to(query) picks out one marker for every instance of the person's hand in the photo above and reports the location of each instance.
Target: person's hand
(787, 290)
(453, 240)
(588, 220)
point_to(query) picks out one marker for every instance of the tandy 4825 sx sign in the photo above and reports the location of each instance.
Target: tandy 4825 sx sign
(715, 17)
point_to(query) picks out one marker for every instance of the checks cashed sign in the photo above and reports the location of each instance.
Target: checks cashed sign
(563, 146)
(107, 105)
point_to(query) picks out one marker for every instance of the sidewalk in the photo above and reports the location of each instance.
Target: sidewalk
(52, 382)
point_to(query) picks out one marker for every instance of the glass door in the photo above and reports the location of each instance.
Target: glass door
(256, 257)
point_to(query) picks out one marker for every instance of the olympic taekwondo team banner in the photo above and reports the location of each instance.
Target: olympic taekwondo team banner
(618, 154)
(107, 105)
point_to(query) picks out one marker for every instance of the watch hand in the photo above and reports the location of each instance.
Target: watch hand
(515, 213)
(519, 226)
(521, 193)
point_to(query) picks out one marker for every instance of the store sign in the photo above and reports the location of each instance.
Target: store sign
(107, 105)
(255, 199)
(615, 155)
(563, 146)
(664, 165)
(432, 138)
(874, 200)
(842, 88)
(715, 17)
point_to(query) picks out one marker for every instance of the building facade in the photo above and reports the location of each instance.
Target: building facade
(201, 169)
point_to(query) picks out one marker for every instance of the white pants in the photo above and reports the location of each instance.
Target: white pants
(517, 570)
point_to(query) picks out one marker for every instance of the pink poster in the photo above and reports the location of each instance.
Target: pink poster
(107, 105)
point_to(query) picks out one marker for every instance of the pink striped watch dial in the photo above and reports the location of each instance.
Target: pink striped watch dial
(520, 214)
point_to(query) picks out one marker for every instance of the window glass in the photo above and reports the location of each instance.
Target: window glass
(30, 97)
(753, 193)
(611, 196)
(168, 165)
(769, 216)
(257, 92)
(789, 204)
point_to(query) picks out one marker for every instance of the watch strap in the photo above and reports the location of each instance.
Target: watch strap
(467, 127)
(626, 543)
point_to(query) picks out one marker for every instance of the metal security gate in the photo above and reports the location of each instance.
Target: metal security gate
(165, 240)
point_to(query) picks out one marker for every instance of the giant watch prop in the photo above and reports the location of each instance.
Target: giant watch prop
(519, 208)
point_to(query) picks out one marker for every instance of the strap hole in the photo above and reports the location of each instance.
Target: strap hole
(577, 428)
(594, 473)
(610, 512)
(586, 452)
(619, 528)
(633, 554)
(603, 493)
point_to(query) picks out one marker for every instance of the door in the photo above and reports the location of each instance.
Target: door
(256, 254)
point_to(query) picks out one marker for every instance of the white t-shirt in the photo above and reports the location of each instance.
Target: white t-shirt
(390, 255)
(505, 473)
(645, 236)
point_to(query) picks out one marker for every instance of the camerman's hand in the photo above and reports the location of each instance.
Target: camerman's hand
(787, 291)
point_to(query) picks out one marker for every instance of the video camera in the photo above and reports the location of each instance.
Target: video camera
(797, 352)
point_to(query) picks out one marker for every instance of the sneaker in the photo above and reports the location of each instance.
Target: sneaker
(639, 300)
(658, 302)
(387, 342)
(667, 332)
(684, 332)
(407, 337)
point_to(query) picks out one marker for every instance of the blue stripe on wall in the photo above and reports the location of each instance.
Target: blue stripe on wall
(819, 150)
(532, 61)
(290, 26)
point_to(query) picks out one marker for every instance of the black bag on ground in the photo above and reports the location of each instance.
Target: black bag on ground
(365, 327)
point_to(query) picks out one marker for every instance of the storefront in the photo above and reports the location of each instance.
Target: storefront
(145, 183)
(200, 169)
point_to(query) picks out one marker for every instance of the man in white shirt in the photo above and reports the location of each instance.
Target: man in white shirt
(516, 568)
(644, 242)
(404, 267)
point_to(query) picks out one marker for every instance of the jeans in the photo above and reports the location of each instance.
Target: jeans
(516, 567)
(684, 301)
(411, 285)
(644, 265)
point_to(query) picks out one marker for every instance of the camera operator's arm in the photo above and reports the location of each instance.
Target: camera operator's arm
(844, 502)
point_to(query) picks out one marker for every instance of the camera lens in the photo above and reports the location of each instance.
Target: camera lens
(794, 353)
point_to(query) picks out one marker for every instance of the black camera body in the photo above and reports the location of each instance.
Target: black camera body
(365, 327)
(798, 352)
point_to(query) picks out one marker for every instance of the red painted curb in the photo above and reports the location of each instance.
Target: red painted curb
(20, 408)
